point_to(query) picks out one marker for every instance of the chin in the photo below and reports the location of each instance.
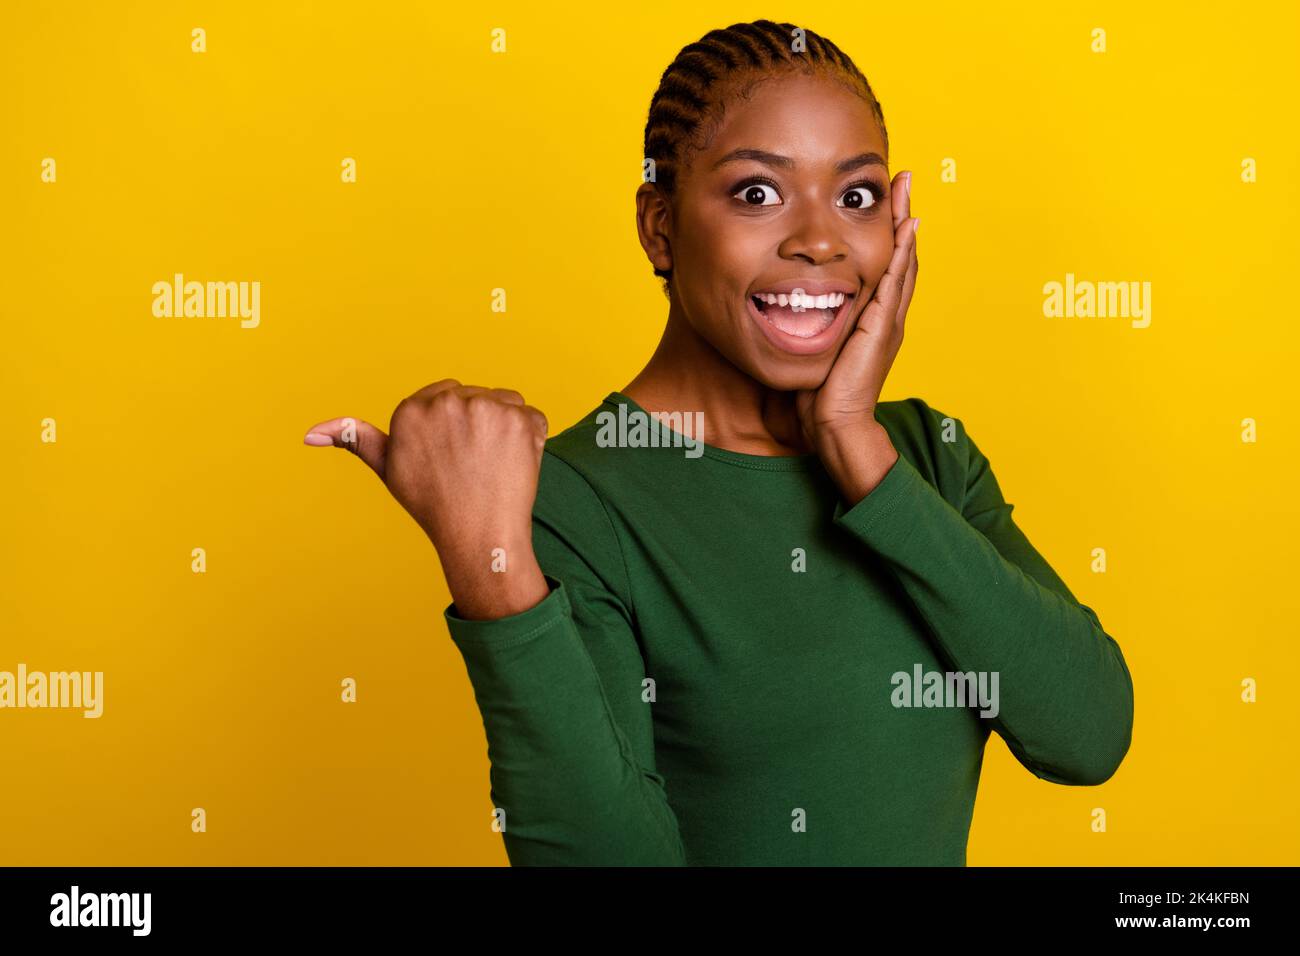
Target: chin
(788, 379)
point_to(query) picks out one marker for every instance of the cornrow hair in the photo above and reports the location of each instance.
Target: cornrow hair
(726, 63)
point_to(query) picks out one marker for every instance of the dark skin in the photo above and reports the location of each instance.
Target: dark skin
(464, 460)
(713, 358)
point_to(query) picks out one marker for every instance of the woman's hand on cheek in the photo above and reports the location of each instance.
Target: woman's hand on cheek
(838, 418)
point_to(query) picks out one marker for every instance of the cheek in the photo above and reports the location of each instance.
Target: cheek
(876, 255)
(722, 248)
(717, 265)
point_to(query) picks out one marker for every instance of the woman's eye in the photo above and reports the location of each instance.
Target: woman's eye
(864, 198)
(758, 194)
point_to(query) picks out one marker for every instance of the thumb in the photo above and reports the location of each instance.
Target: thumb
(361, 438)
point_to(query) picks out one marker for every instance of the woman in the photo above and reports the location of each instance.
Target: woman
(789, 642)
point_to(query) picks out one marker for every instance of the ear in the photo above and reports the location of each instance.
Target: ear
(654, 225)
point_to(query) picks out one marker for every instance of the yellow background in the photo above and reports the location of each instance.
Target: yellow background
(478, 171)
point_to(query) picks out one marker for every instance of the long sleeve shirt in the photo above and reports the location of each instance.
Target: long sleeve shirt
(735, 666)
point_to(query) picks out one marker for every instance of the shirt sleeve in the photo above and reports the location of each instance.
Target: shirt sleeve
(993, 604)
(559, 687)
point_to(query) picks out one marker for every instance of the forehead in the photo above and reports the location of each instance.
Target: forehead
(816, 120)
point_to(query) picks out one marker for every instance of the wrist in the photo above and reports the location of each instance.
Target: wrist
(488, 595)
(858, 458)
(493, 577)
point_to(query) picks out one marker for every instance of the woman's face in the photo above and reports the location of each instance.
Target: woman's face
(792, 193)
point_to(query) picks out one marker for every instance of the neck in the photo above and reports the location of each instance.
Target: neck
(686, 373)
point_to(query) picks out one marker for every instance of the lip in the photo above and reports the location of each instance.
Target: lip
(811, 286)
(793, 344)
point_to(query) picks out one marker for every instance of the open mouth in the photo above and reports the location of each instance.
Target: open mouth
(798, 314)
(796, 321)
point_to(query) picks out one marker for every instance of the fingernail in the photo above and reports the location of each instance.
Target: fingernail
(916, 224)
(909, 187)
(316, 438)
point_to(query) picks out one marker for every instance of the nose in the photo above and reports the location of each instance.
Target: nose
(815, 236)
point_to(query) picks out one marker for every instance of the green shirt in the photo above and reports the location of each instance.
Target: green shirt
(725, 671)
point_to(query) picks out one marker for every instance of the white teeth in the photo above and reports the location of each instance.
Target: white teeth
(802, 300)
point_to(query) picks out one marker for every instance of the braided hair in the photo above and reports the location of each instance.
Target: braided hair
(727, 63)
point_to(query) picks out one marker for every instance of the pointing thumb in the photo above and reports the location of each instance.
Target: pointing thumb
(361, 438)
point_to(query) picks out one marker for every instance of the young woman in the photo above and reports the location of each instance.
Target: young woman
(787, 644)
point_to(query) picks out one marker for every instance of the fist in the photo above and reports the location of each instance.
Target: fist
(461, 459)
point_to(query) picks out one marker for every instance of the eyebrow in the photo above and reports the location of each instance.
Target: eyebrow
(785, 162)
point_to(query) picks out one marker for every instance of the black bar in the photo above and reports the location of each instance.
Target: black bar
(243, 904)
